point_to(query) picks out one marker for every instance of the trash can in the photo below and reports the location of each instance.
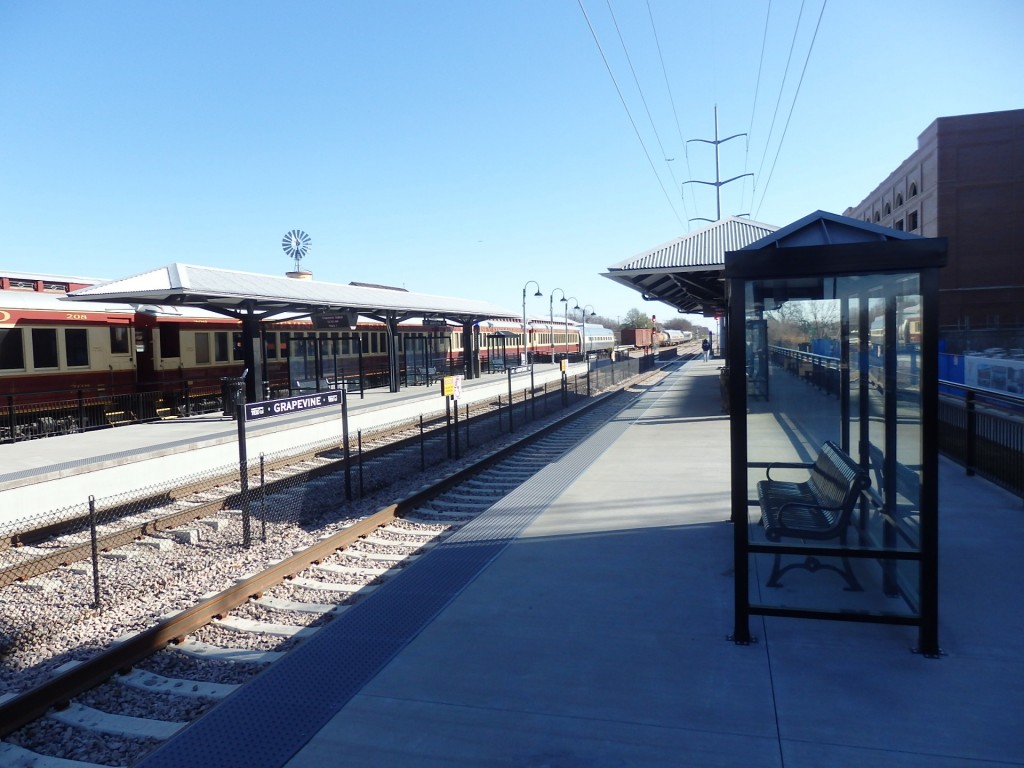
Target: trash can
(232, 393)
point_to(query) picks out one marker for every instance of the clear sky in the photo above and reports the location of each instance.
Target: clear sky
(461, 147)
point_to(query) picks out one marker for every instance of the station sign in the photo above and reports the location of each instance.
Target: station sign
(287, 405)
(326, 321)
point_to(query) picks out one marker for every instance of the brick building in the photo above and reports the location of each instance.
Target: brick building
(965, 182)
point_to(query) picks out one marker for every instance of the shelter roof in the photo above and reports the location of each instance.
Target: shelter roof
(687, 272)
(824, 243)
(231, 292)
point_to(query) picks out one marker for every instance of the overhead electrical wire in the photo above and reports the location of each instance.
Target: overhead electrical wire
(629, 114)
(778, 102)
(753, 108)
(675, 114)
(785, 128)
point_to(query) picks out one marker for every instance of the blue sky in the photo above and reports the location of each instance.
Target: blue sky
(461, 147)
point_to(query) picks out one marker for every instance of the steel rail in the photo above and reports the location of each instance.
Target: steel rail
(123, 655)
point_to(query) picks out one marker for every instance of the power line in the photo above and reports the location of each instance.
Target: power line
(753, 108)
(791, 107)
(675, 114)
(632, 122)
(778, 101)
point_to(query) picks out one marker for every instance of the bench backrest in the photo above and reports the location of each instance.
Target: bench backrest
(836, 479)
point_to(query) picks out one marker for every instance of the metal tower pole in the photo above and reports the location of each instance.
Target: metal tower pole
(717, 183)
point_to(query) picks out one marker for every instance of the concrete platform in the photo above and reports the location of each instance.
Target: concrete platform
(582, 621)
(37, 476)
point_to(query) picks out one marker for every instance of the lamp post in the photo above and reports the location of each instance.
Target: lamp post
(583, 337)
(576, 306)
(526, 335)
(551, 318)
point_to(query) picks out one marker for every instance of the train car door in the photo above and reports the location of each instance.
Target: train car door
(144, 354)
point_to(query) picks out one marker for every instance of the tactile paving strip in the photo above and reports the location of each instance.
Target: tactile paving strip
(267, 721)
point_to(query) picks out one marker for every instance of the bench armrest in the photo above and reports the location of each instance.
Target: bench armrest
(784, 465)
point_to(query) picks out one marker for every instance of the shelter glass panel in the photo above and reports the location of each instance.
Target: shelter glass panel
(834, 447)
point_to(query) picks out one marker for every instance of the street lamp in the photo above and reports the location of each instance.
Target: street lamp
(583, 337)
(551, 318)
(568, 299)
(526, 336)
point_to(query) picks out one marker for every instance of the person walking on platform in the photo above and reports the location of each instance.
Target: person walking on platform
(706, 346)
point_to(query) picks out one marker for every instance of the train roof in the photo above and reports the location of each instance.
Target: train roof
(232, 292)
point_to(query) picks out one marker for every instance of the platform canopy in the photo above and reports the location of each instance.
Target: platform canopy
(254, 299)
(686, 273)
(232, 293)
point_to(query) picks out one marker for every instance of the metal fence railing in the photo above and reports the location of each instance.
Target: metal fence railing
(227, 507)
(980, 429)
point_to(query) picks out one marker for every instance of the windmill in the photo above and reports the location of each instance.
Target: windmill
(296, 243)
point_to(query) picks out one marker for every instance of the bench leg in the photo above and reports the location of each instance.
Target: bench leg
(813, 565)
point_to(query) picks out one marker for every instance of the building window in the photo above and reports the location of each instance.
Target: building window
(898, 225)
(44, 347)
(888, 209)
(76, 347)
(912, 221)
(878, 217)
(899, 200)
(12, 354)
(913, 189)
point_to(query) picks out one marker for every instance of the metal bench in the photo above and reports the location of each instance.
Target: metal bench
(818, 509)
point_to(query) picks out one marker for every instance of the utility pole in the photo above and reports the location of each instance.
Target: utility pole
(717, 183)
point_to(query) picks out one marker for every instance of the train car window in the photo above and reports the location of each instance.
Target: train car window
(12, 352)
(119, 344)
(202, 348)
(285, 341)
(373, 342)
(270, 345)
(76, 347)
(170, 340)
(220, 350)
(44, 347)
(365, 338)
(237, 351)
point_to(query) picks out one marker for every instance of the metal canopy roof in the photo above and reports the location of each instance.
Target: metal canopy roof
(233, 293)
(686, 273)
(823, 243)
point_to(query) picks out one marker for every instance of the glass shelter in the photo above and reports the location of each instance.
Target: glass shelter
(834, 425)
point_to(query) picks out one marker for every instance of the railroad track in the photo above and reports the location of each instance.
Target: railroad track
(104, 709)
(37, 551)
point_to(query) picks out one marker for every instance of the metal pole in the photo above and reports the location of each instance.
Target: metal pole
(423, 455)
(344, 441)
(95, 553)
(359, 448)
(455, 429)
(243, 475)
(511, 425)
(526, 335)
(263, 499)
